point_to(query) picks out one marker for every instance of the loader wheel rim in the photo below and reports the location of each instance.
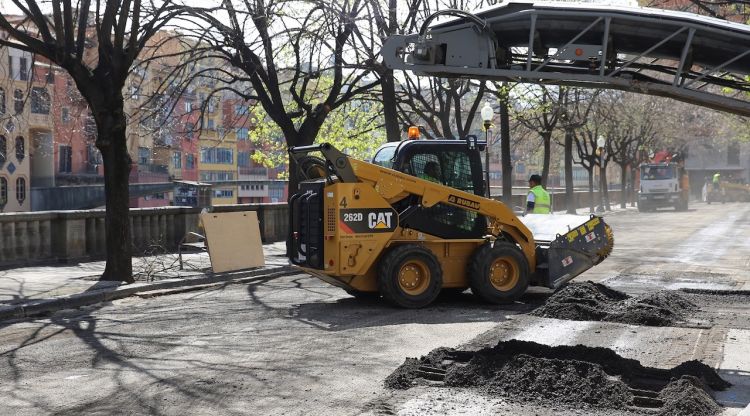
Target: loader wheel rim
(504, 273)
(414, 277)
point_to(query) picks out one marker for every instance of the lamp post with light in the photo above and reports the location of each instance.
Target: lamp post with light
(487, 114)
(600, 142)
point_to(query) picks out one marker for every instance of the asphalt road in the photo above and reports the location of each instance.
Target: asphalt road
(294, 345)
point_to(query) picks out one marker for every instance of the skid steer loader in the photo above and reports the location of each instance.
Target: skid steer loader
(386, 228)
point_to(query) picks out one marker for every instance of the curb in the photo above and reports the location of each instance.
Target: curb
(25, 310)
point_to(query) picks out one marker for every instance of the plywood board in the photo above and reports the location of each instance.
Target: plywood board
(233, 240)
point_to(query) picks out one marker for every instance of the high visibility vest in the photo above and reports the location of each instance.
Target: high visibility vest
(541, 200)
(717, 177)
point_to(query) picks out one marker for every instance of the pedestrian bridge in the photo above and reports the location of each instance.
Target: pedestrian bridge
(696, 59)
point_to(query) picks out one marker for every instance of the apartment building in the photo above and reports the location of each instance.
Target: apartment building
(25, 103)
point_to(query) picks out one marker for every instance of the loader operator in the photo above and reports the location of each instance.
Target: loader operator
(537, 201)
(431, 172)
(716, 180)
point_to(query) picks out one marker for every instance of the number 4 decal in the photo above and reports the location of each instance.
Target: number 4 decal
(343, 203)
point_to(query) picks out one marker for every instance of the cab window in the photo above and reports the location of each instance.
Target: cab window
(384, 157)
(457, 171)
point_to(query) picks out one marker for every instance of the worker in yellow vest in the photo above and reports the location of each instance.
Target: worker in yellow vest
(717, 180)
(537, 201)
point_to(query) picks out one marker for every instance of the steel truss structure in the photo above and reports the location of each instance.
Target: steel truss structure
(691, 58)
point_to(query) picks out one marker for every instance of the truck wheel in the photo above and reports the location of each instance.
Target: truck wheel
(499, 273)
(410, 276)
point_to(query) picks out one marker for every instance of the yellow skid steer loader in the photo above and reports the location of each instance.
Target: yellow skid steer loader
(385, 227)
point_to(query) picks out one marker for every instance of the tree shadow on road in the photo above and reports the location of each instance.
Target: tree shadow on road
(140, 374)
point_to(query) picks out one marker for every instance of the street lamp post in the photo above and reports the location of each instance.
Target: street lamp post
(487, 114)
(600, 142)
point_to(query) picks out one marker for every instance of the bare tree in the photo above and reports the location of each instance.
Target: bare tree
(734, 10)
(585, 142)
(388, 19)
(97, 45)
(440, 105)
(295, 58)
(539, 110)
(577, 104)
(633, 122)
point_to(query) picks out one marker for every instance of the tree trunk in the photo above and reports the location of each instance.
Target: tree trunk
(605, 189)
(633, 191)
(390, 112)
(570, 203)
(507, 166)
(623, 185)
(547, 142)
(112, 144)
(591, 188)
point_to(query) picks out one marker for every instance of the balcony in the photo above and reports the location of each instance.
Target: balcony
(253, 171)
(149, 173)
(152, 168)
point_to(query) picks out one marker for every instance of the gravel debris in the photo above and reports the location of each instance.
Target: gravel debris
(589, 301)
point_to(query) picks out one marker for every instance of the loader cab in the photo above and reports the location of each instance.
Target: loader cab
(459, 166)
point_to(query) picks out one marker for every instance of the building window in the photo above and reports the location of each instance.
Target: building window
(18, 101)
(210, 124)
(188, 106)
(217, 155)
(65, 115)
(23, 68)
(3, 150)
(65, 159)
(92, 155)
(3, 191)
(177, 160)
(40, 100)
(223, 193)
(20, 149)
(21, 190)
(189, 129)
(217, 176)
(240, 109)
(189, 161)
(2, 101)
(144, 155)
(242, 133)
(243, 159)
(733, 154)
(158, 195)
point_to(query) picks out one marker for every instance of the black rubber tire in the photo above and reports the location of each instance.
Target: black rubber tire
(479, 272)
(389, 268)
(311, 167)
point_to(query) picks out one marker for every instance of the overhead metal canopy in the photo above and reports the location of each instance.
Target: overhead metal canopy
(691, 58)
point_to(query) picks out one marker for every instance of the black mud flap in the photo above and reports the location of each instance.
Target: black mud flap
(574, 252)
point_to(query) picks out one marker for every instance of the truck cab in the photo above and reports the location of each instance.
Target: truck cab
(662, 185)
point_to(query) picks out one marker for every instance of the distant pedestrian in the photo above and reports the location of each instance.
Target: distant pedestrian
(538, 200)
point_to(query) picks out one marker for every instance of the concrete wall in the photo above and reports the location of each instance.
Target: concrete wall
(65, 236)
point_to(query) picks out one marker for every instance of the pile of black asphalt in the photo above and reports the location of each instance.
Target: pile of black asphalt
(589, 301)
(566, 376)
